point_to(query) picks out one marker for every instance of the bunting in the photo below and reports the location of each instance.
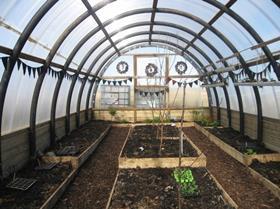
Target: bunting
(151, 93)
(174, 82)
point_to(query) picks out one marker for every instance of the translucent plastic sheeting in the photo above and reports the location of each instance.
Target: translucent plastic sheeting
(73, 107)
(57, 20)
(232, 96)
(16, 14)
(249, 100)
(119, 23)
(95, 54)
(237, 35)
(207, 50)
(180, 20)
(213, 102)
(198, 8)
(45, 99)
(132, 39)
(262, 15)
(18, 100)
(75, 36)
(270, 97)
(217, 43)
(62, 98)
(170, 39)
(84, 96)
(121, 6)
(97, 65)
(88, 46)
(125, 33)
(221, 96)
(112, 68)
(174, 31)
(198, 55)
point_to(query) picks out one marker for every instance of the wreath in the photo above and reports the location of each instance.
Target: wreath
(181, 68)
(122, 67)
(151, 70)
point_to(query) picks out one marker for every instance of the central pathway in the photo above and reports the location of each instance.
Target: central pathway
(233, 176)
(92, 186)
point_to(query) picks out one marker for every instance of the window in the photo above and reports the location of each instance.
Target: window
(114, 96)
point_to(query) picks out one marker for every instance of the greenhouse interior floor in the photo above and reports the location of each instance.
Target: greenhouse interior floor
(94, 183)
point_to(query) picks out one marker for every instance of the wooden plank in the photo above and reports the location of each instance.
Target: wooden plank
(77, 161)
(113, 189)
(226, 196)
(242, 158)
(51, 201)
(267, 183)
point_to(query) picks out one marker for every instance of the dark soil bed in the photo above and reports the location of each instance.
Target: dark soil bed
(233, 176)
(270, 170)
(156, 189)
(34, 197)
(83, 137)
(239, 142)
(92, 186)
(142, 143)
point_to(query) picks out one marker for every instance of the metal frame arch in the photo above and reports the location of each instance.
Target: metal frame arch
(134, 35)
(131, 45)
(16, 51)
(249, 29)
(39, 82)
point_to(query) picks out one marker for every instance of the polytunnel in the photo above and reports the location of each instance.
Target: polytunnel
(147, 104)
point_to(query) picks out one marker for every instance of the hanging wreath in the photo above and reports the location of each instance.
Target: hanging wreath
(151, 70)
(181, 68)
(122, 67)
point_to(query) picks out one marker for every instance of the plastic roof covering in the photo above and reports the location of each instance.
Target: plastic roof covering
(208, 30)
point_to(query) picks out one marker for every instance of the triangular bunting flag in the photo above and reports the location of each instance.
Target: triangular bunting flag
(104, 81)
(109, 82)
(125, 81)
(157, 93)
(151, 93)
(18, 64)
(34, 71)
(190, 84)
(179, 84)
(130, 79)
(145, 93)
(196, 82)
(29, 70)
(5, 61)
(174, 82)
(120, 83)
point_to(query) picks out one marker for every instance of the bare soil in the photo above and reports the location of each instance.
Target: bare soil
(34, 197)
(143, 143)
(83, 137)
(233, 176)
(92, 186)
(270, 170)
(156, 189)
(239, 142)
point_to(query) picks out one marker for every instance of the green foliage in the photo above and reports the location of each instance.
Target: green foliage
(196, 115)
(112, 111)
(124, 121)
(250, 151)
(185, 179)
(157, 120)
(208, 122)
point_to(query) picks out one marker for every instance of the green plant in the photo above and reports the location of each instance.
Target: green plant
(196, 115)
(185, 179)
(112, 111)
(250, 151)
(124, 121)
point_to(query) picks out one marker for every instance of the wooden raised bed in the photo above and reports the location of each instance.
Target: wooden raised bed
(118, 181)
(51, 201)
(77, 161)
(266, 182)
(161, 162)
(242, 158)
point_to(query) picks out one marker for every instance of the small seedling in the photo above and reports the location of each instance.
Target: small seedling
(185, 179)
(250, 151)
(112, 112)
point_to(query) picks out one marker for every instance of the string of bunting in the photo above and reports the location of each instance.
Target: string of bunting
(151, 93)
(179, 83)
(114, 82)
